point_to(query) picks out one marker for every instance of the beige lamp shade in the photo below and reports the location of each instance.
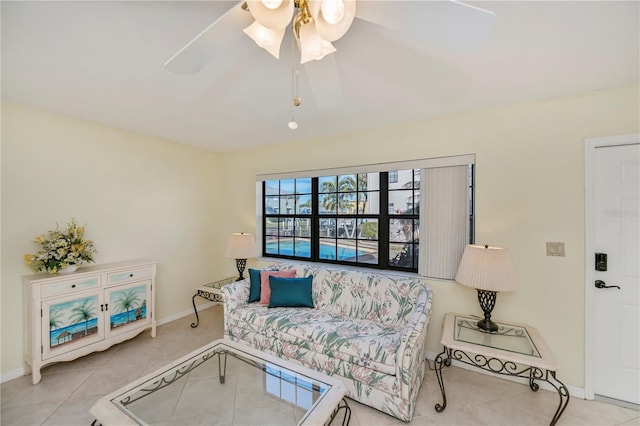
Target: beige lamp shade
(487, 268)
(241, 246)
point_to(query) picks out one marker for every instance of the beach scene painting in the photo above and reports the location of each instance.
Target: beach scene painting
(127, 306)
(75, 319)
(72, 320)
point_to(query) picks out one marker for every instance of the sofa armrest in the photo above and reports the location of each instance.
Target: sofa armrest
(411, 352)
(235, 295)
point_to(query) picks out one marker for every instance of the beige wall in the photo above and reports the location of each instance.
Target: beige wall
(529, 190)
(140, 197)
(145, 197)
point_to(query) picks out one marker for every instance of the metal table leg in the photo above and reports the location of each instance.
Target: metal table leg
(222, 367)
(193, 301)
(563, 392)
(443, 358)
(212, 297)
(347, 413)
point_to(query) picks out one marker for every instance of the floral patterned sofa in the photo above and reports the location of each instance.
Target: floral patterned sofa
(369, 329)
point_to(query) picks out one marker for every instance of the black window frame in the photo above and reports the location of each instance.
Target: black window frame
(383, 217)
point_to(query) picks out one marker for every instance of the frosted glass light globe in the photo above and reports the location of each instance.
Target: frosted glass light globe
(332, 10)
(272, 4)
(293, 125)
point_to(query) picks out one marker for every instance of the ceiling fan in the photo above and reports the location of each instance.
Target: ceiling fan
(446, 23)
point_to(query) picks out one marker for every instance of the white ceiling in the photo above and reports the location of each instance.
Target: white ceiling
(103, 62)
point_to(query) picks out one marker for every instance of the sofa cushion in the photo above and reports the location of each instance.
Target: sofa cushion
(310, 357)
(359, 341)
(290, 292)
(381, 298)
(265, 290)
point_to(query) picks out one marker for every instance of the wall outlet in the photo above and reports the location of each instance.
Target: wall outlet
(555, 249)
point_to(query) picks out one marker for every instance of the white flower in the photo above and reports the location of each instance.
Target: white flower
(60, 249)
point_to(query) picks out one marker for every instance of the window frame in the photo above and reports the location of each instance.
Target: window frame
(383, 216)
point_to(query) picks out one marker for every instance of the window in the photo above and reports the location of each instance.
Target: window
(287, 214)
(371, 217)
(404, 222)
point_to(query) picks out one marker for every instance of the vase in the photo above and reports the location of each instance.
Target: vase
(68, 269)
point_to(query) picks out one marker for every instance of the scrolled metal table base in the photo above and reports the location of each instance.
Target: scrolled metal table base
(212, 297)
(507, 368)
(443, 359)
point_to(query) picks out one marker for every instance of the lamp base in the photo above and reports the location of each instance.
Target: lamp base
(488, 326)
(240, 264)
(487, 300)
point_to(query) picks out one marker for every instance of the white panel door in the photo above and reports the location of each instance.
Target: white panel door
(616, 290)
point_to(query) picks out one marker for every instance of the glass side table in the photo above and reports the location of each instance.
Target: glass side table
(514, 350)
(212, 292)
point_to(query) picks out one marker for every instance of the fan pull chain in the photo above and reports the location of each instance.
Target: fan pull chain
(295, 98)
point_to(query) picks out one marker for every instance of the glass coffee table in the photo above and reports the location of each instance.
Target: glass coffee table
(225, 383)
(514, 350)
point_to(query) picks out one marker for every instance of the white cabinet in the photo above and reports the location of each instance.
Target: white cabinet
(69, 316)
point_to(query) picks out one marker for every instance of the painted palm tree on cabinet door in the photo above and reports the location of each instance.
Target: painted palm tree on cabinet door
(83, 312)
(127, 301)
(54, 319)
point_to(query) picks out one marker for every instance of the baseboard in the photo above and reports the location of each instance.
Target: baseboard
(185, 313)
(19, 372)
(10, 375)
(574, 392)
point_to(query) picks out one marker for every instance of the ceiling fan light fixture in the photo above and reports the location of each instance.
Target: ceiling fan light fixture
(332, 10)
(336, 21)
(273, 18)
(270, 40)
(311, 45)
(272, 4)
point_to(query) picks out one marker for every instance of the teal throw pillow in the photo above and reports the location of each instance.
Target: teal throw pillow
(291, 292)
(254, 285)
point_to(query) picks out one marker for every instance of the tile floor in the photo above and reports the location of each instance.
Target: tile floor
(69, 389)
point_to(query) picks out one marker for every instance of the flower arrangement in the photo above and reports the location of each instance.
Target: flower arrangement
(60, 249)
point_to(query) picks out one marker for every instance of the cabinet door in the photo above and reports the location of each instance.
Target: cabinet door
(128, 306)
(70, 322)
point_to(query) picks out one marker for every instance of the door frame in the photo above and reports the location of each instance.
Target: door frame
(589, 327)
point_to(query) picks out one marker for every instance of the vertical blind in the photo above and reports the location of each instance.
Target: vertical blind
(444, 220)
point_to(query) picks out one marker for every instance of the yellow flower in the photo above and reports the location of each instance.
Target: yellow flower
(58, 249)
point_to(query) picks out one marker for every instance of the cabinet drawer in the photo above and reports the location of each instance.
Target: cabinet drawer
(69, 286)
(128, 275)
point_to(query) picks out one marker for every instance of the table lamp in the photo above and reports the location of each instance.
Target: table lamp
(241, 246)
(488, 270)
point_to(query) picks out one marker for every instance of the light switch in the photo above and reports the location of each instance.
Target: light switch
(555, 248)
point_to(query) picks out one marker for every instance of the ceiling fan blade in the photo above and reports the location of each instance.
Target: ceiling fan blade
(212, 42)
(449, 23)
(323, 79)
(421, 78)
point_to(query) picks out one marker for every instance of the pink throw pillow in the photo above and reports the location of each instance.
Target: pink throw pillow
(265, 289)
